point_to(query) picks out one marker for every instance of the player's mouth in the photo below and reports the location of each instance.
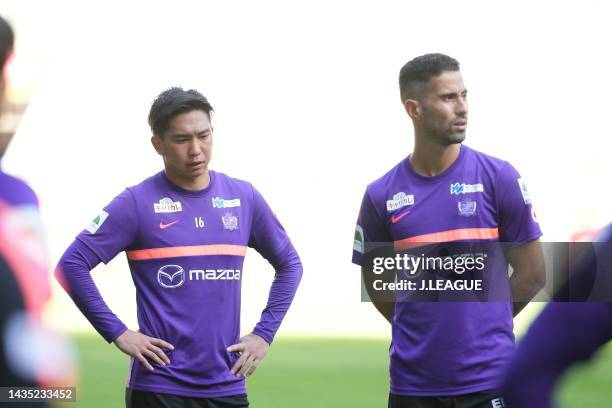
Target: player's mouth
(196, 165)
(460, 125)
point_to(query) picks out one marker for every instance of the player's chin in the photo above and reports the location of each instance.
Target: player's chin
(456, 137)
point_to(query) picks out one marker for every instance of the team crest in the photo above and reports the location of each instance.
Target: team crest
(230, 222)
(467, 208)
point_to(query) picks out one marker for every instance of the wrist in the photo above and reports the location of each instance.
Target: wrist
(261, 337)
(121, 329)
(119, 336)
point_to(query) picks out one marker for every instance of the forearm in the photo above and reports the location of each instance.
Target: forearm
(286, 280)
(74, 274)
(524, 288)
(383, 301)
(529, 273)
(386, 309)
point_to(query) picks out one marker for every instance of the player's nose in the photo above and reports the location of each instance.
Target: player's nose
(461, 109)
(194, 147)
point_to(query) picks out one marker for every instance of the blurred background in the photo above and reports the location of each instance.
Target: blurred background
(307, 109)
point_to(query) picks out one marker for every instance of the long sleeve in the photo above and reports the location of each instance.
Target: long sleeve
(269, 238)
(74, 274)
(286, 280)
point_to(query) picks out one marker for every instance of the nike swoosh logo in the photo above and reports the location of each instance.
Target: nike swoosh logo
(164, 226)
(395, 219)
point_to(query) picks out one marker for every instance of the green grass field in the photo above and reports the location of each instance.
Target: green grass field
(317, 372)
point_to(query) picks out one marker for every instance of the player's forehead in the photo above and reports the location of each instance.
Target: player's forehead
(192, 122)
(446, 83)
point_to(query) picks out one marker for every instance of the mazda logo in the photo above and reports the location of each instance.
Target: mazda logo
(171, 276)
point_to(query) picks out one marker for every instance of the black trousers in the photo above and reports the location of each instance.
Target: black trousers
(483, 399)
(145, 399)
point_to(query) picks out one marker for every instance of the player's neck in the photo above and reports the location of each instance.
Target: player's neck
(430, 159)
(191, 184)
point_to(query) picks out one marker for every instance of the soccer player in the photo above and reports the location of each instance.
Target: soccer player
(569, 330)
(24, 284)
(185, 232)
(449, 354)
(24, 272)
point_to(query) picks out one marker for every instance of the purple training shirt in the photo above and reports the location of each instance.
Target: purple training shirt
(449, 348)
(185, 251)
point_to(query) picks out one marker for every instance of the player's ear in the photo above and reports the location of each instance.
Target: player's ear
(156, 142)
(412, 108)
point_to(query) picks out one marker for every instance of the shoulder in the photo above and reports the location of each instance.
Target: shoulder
(230, 192)
(380, 188)
(153, 187)
(499, 173)
(490, 163)
(15, 191)
(228, 189)
(222, 180)
(148, 183)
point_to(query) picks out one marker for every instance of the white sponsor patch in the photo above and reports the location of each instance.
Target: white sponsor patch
(400, 200)
(97, 222)
(524, 191)
(358, 241)
(462, 188)
(219, 202)
(166, 205)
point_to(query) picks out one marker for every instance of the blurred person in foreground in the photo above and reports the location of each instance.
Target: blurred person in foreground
(570, 329)
(30, 354)
(185, 232)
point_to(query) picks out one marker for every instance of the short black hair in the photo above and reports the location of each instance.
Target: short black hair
(7, 42)
(174, 101)
(418, 71)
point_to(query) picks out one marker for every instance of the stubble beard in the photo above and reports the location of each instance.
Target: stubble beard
(449, 137)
